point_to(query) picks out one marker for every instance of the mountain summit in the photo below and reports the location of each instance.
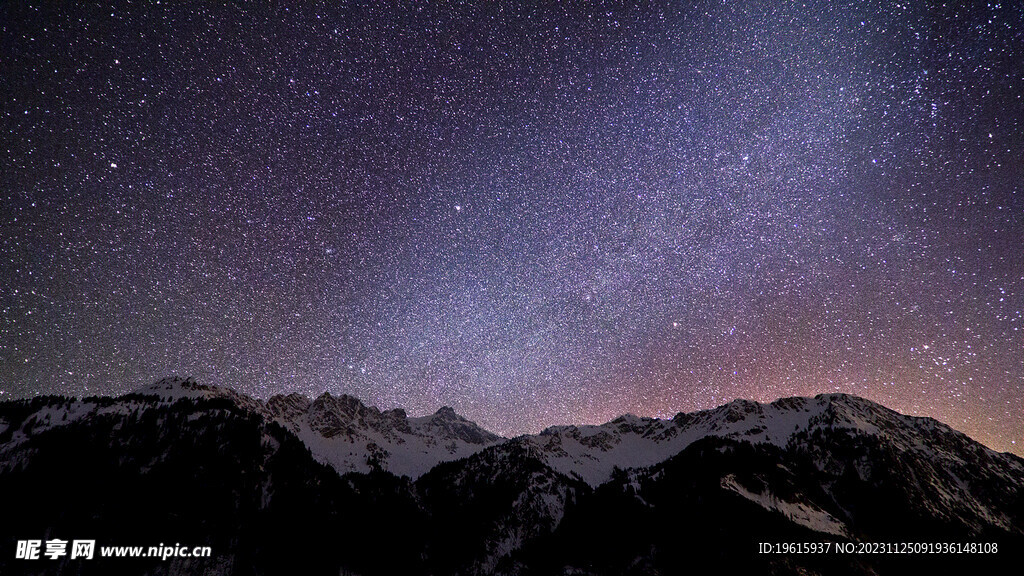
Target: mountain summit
(346, 434)
(592, 452)
(352, 437)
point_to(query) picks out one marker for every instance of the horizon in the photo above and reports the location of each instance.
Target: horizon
(505, 435)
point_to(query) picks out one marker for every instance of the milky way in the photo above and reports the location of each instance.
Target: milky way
(537, 215)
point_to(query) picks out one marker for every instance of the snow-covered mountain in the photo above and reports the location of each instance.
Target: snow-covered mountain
(855, 473)
(184, 463)
(338, 430)
(591, 453)
(829, 467)
(439, 495)
(351, 437)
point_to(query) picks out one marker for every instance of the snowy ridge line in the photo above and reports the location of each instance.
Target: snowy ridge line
(351, 437)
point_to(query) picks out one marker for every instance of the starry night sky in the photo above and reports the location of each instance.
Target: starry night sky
(537, 213)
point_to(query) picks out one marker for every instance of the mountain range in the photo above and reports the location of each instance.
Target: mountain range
(330, 485)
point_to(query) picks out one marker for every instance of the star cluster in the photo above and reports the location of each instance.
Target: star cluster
(537, 213)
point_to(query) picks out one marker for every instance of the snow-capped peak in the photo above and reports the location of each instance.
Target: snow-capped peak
(446, 412)
(352, 437)
(174, 388)
(592, 452)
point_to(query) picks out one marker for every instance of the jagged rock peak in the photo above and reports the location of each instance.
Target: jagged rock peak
(792, 403)
(288, 406)
(741, 408)
(396, 414)
(446, 412)
(343, 403)
(631, 423)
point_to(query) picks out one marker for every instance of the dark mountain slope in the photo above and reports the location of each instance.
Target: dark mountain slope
(199, 472)
(487, 506)
(706, 510)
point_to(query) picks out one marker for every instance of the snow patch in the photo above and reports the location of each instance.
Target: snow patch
(798, 512)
